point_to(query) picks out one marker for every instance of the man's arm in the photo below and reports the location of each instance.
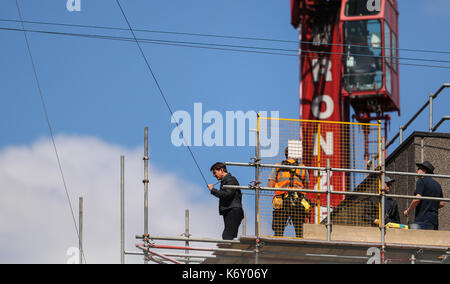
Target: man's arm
(413, 205)
(441, 195)
(272, 178)
(420, 187)
(225, 192)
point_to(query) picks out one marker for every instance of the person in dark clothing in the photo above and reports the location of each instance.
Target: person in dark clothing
(391, 206)
(230, 201)
(427, 211)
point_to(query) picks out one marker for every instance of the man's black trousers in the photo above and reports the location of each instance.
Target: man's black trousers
(232, 218)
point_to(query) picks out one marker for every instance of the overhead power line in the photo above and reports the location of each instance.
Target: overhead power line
(50, 128)
(154, 31)
(236, 48)
(217, 36)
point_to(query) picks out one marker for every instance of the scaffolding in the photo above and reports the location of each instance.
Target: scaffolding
(356, 178)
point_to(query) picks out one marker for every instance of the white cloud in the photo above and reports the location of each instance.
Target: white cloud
(36, 225)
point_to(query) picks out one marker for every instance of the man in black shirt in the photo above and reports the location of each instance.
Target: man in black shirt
(391, 214)
(391, 205)
(427, 211)
(230, 201)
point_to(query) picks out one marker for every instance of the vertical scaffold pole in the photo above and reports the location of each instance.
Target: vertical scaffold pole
(80, 224)
(383, 200)
(146, 181)
(186, 232)
(319, 175)
(122, 209)
(257, 160)
(328, 201)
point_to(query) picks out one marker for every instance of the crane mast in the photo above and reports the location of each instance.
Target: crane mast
(348, 61)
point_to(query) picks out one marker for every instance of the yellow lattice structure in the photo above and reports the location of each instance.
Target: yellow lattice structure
(341, 145)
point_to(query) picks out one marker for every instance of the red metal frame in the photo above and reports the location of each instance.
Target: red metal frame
(389, 101)
(320, 24)
(320, 82)
(359, 18)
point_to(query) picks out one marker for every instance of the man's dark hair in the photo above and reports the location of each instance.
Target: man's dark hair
(217, 166)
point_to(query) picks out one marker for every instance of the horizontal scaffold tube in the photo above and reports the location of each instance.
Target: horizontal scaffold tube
(145, 249)
(334, 169)
(335, 192)
(300, 190)
(190, 239)
(200, 249)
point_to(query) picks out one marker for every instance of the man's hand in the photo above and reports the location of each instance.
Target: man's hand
(412, 206)
(210, 186)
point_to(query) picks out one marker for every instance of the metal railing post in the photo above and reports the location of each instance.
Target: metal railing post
(400, 132)
(444, 118)
(431, 113)
(428, 102)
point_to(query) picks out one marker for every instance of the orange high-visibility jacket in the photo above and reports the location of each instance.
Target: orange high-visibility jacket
(288, 179)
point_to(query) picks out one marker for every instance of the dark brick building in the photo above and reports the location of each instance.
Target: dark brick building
(419, 147)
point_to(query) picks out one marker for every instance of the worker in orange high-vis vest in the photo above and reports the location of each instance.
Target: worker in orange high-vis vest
(289, 206)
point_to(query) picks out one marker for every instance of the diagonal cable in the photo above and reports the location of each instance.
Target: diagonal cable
(160, 90)
(48, 122)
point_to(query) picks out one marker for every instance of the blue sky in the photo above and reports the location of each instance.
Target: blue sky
(102, 89)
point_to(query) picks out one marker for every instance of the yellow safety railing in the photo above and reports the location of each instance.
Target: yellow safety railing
(341, 146)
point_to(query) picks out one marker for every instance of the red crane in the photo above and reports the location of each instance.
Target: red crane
(348, 59)
(349, 52)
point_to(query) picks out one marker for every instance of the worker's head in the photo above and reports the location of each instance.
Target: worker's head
(294, 151)
(388, 183)
(286, 154)
(219, 170)
(425, 168)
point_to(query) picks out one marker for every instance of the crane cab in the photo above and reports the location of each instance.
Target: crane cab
(370, 57)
